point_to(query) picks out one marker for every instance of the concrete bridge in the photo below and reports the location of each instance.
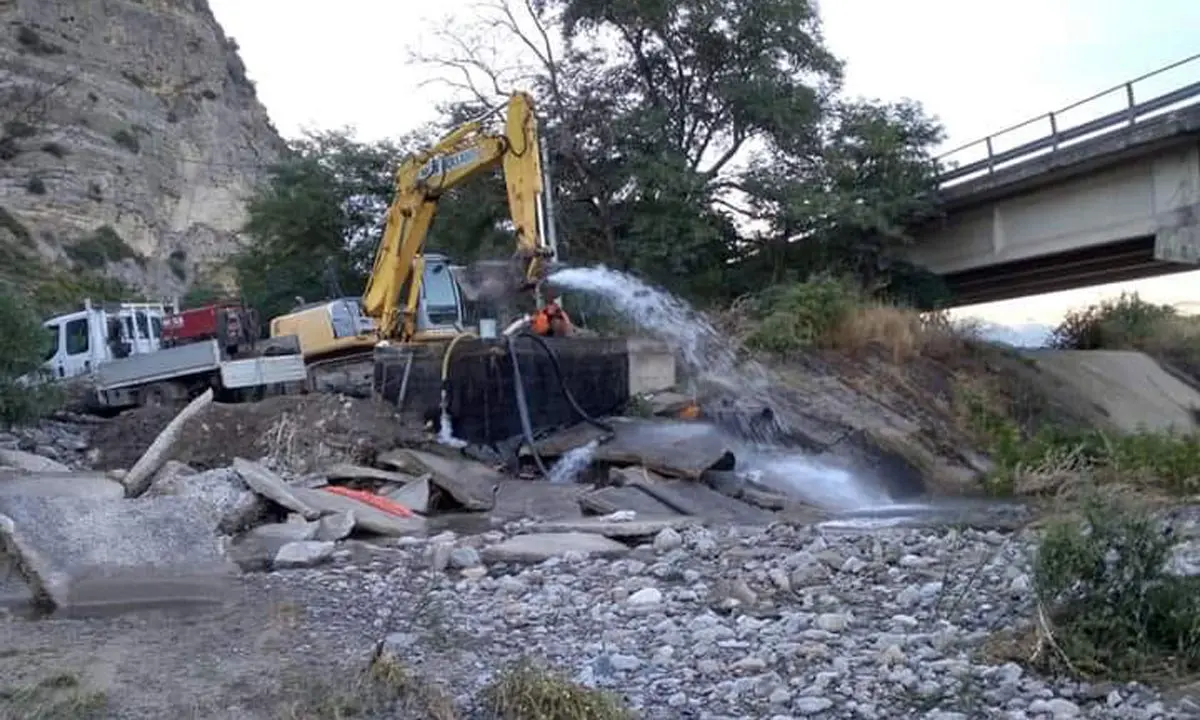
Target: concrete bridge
(1114, 198)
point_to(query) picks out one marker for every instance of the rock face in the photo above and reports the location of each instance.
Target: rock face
(131, 137)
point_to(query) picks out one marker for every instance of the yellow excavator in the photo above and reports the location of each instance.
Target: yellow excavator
(412, 296)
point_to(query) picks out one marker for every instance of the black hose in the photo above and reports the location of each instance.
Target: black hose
(562, 384)
(523, 405)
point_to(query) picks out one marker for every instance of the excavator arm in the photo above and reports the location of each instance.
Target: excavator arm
(421, 180)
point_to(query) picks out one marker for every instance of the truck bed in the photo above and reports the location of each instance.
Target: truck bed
(269, 370)
(161, 365)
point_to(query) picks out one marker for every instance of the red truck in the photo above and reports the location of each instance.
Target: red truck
(234, 326)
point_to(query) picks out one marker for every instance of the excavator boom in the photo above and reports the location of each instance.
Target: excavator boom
(421, 180)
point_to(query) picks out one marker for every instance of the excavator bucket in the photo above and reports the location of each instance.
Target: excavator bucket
(491, 280)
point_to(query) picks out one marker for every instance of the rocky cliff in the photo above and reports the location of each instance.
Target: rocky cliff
(131, 139)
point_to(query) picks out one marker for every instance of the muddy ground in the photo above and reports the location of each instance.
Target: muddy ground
(265, 650)
(299, 431)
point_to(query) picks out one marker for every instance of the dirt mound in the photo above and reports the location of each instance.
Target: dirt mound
(300, 432)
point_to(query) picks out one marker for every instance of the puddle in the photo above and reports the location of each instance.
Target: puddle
(981, 514)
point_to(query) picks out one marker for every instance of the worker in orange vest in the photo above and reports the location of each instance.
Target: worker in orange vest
(551, 320)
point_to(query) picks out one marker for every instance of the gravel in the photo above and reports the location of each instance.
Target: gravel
(773, 623)
(784, 622)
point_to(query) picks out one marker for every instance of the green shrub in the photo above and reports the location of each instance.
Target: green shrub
(127, 140)
(54, 149)
(799, 315)
(23, 346)
(9, 148)
(202, 292)
(524, 691)
(177, 262)
(9, 222)
(1127, 323)
(19, 129)
(103, 246)
(30, 40)
(1113, 609)
(1165, 461)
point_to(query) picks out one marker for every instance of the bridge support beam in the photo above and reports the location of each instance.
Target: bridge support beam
(1136, 217)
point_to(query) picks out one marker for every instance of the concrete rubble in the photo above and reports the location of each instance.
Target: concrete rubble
(86, 540)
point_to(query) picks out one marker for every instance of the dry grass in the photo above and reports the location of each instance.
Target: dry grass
(902, 332)
(525, 691)
(386, 689)
(61, 697)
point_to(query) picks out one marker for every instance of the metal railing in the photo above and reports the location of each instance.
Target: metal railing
(1059, 137)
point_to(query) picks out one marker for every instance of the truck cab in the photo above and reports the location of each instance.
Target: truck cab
(84, 339)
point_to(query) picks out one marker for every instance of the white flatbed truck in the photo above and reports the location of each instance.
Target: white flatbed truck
(115, 351)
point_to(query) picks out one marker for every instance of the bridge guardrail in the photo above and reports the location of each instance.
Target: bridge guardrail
(1059, 137)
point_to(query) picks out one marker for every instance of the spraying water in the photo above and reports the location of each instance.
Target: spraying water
(702, 348)
(445, 434)
(818, 484)
(572, 464)
(710, 357)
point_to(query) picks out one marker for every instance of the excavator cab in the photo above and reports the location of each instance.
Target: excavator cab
(440, 307)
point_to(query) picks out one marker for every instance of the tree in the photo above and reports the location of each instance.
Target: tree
(646, 106)
(316, 224)
(848, 208)
(23, 346)
(702, 143)
(313, 225)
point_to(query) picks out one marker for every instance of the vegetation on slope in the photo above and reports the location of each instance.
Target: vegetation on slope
(1107, 603)
(23, 345)
(1131, 323)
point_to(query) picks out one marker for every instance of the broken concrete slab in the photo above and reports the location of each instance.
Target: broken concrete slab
(304, 553)
(671, 448)
(534, 499)
(223, 490)
(365, 516)
(15, 594)
(400, 459)
(285, 532)
(739, 487)
(638, 527)
(337, 526)
(471, 484)
(702, 501)
(536, 548)
(256, 549)
(415, 496)
(29, 462)
(271, 486)
(83, 554)
(60, 484)
(347, 471)
(632, 474)
(611, 499)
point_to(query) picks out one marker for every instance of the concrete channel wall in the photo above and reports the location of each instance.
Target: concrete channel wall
(1130, 390)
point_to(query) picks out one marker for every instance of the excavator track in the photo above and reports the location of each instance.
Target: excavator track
(352, 375)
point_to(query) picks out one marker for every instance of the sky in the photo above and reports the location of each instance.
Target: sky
(978, 66)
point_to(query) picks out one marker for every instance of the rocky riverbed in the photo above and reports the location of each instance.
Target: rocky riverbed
(779, 622)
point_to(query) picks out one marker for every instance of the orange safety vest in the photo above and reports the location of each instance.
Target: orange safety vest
(545, 320)
(541, 322)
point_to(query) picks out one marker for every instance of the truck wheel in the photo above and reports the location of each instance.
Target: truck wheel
(159, 395)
